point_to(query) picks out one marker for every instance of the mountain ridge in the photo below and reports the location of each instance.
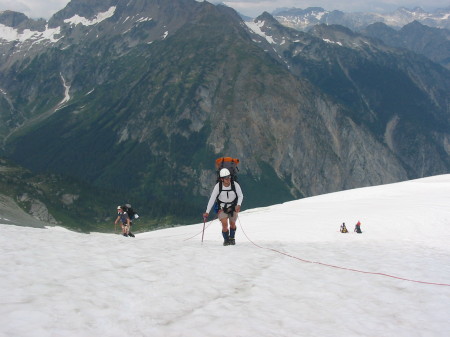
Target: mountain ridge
(303, 19)
(143, 101)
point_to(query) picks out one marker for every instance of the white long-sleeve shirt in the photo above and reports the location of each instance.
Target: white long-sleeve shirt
(226, 196)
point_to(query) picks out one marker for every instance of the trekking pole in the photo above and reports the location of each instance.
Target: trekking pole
(204, 223)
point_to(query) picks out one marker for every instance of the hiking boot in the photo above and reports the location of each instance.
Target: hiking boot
(232, 241)
(125, 234)
(226, 238)
(131, 234)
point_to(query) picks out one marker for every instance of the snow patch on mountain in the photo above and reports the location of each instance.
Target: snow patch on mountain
(255, 27)
(333, 42)
(144, 19)
(76, 19)
(11, 34)
(66, 93)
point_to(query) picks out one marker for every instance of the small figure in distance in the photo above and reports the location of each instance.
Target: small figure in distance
(122, 216)
(358, 228)
(131, 215)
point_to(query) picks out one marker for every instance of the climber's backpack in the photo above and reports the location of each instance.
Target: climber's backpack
(229, 163)
(232, 165)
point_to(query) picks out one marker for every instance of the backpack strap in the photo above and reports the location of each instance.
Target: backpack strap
(227, 204)
(233, 188)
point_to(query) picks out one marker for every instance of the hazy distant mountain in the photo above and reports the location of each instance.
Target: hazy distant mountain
(303, 19)
(433, 43)
(424, 33)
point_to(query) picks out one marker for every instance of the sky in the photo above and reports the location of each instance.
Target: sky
(46, 8)
(290, 273)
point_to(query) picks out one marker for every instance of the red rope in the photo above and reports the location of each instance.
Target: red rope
(338, 267)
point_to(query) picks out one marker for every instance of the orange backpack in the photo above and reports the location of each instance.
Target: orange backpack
(229, 163)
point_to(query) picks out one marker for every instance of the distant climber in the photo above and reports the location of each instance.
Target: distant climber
(122, 216)
(358, 228)
(343, 228)
(131, 215)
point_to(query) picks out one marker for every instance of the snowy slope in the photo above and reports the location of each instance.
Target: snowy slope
(291, 273)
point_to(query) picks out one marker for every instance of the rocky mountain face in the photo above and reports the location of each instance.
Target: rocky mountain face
(348, 67)
(433, 43)
(304, 19)
(423, 33)
(39, 200)
(139, 97)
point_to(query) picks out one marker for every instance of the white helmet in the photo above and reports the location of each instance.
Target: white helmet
(224, 173)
